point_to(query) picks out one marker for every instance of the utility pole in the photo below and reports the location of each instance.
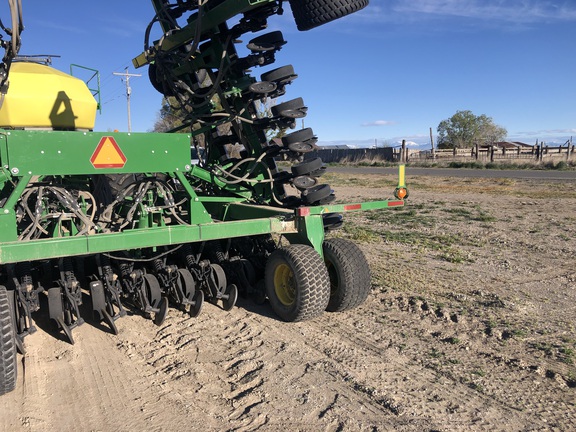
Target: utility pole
(127, 76)
(432, 143)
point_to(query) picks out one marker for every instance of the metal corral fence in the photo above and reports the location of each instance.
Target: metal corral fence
(339, 155)
(499, 152)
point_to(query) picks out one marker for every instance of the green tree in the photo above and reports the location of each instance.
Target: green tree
(169, 116)
(464, 129)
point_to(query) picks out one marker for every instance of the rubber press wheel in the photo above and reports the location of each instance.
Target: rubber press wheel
(8, 367)
(281, 75)
(349, 274)
(298, 136)
(307, 167)
(292, 109)
(297, 283)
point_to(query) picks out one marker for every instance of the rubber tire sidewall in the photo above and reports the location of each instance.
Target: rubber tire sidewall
(313, 13)
(311, 279)
(8, 365)
(349, 274)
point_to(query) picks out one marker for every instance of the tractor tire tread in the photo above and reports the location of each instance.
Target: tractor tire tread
(8, 366)
(313, 13)
(353, 273)
(313, 282)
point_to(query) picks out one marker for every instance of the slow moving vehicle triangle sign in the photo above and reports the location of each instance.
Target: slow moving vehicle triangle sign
(108, 154)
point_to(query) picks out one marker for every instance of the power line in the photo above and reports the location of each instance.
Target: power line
(127, 77)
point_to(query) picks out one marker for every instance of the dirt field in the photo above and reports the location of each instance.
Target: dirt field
(470, 326)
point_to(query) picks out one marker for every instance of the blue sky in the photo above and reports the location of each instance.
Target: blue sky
(383, 74)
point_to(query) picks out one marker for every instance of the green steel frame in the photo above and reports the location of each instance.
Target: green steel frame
(29, 155)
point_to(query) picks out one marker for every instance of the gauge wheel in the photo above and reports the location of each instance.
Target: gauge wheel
(313, 13)
(152, 290)
(186, 283)
(349, 274)
(297, 283)
(8, 366)
(220, 283)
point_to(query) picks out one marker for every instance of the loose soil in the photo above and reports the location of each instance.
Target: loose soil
(470, 325)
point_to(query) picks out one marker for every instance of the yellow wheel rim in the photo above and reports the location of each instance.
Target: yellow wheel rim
(284, 285)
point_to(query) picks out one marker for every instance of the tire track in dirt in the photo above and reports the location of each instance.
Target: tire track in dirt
(465, 343)
(58, 385)
(426, 391)
(235, 379)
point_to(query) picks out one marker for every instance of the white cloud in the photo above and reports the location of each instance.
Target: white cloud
(380, 123)
(490, 11)
(548, 132)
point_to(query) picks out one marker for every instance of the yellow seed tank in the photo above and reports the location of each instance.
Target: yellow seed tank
(41, 97)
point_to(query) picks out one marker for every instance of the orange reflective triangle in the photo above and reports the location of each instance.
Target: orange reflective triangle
(108, 154)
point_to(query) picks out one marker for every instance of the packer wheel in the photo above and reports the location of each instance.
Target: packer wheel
(153, 291)
(301, 135)
(229, 298)
(155, 298)
(292, 109)
(8, 367)
(186, 283)
(349, 274)
(301, 147)
(282, 75)
(307, 167)
(297, 283)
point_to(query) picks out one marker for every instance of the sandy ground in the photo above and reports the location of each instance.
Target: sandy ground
(470, 326)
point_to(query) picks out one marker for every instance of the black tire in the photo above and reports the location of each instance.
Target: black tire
(332, 220)
(267, 42)
(281, 75)
(292, 109)
(119, 182)
(298, 136)
(262, 87)
(304, 182)
(297, 283)
(306, 167)
(282, 177)
(186, 283)
(8, 366)
(349, 274)
(316, 194)
(313, 13)
(301, 147)
(152, 290)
